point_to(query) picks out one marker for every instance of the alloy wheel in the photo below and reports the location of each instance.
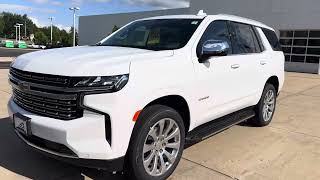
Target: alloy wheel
(161, 147)
(268, 105)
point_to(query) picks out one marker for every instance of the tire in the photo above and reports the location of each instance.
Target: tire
(266, 107)
(145, 133)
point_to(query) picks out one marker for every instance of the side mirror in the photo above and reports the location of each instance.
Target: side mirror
(214, 48)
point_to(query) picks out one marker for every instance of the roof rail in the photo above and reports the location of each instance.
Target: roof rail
(201, 13)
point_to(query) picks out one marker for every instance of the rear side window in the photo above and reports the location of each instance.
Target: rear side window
(244, 39)
(273, 39)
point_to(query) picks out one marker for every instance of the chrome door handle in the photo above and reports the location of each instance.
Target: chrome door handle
(235, 66)
(263, 63)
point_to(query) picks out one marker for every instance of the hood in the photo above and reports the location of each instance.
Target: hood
(85, 60)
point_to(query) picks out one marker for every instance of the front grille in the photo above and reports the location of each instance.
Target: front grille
(38, 78)
(44, 95)
(51, 107)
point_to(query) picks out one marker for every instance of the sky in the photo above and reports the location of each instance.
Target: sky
(40, 10)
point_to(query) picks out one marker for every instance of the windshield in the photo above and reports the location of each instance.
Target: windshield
(157, 34)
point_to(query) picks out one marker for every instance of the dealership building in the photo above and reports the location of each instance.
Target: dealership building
(296, 22)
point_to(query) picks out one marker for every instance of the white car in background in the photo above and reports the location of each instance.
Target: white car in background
(34, 46)
(135, 100)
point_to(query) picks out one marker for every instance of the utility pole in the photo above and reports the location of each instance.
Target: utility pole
(74, 9)
(51, 19)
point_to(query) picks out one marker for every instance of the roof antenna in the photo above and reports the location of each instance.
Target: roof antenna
(201, 13)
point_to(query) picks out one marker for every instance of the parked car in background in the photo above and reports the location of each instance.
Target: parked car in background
(9, 44)
(34, 46)
(133, 102)
(22, 45)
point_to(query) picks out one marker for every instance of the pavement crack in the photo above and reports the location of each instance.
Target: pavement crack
(299, 93)
(211, 169)
(296, 132)
(5, 91)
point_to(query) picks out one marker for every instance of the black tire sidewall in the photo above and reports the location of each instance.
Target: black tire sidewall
(148, 118)
(259, 120)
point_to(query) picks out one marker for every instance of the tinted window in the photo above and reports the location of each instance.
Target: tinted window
(301, 34)
(273, 39)
(217, 30)
(286, 33)
(286, 42)
(314, 33)
(244, 39)
(158, 34)
(297, 58)
(314, 42)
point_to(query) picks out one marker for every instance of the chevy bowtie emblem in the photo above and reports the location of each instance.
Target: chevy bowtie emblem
(21, 126)
(24, 86)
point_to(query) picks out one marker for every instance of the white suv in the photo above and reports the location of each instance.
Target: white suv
(136, 99)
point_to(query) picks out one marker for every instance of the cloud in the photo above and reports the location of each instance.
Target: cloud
(10, 7)
(56, 3)
(23, 9)
(37, 22)
(62, 27)
(102, 1)
(162, 4)
(81, 2)
(40, 24)
(77, 2)
(39, 1)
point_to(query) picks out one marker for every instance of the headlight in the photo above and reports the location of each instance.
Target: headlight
(114, 83)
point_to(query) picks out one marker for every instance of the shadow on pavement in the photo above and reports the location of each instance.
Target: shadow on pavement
(4, 65)
(20, 159)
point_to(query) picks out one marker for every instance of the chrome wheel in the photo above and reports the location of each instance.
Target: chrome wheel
(161, 147)
(268, 105)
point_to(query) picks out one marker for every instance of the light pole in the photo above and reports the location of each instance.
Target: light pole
(16, 32)
(25, 29)
(51, 19)
(74, 9)
(19, 28)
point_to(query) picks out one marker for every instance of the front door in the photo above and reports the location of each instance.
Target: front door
(227, 82)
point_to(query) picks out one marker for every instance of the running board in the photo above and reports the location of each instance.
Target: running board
(214, 127)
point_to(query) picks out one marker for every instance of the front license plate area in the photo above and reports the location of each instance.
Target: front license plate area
(22, 124)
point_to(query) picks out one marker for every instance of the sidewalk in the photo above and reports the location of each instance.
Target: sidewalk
(6, 59)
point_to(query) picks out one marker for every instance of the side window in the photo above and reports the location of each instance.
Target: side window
(217, 30)
(244, 39)
(273, 39)
(258, 35)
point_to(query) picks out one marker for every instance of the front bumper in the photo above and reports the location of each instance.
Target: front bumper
(83, 140)
(109, 165)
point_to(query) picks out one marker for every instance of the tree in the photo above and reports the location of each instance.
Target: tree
(60, 37)
(40, 38)
(1, 25)
(66, 38)
(115, 28)
(11, 19)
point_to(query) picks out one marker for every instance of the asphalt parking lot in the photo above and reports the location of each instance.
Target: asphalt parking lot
(287, 149)
(14, 52)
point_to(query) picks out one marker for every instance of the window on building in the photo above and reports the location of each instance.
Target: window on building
(301, 45)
